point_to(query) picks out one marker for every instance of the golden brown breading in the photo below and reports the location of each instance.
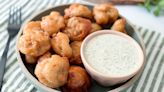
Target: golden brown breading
(44, 56)
(60, 44)
(52, 23)
(77, 28)
(119, 25)
(76, 58)
(38, 72)
(105, 13)
(36, 43)
(30, 59)
(77, 10)
(53, 71)
(95, 27)
(32, 25)
(78, 80)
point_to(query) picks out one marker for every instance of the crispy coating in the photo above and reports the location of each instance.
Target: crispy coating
(105, 13)
(77, 28)
(60, 44)
(44, 56)
(76, 58)
(95, 27)
(39, 74)
(31, 26)
(30, 59)
(36, 43)
(52, 23)
(119, 25)
(77, 10)
(78, 80)
(53, 71)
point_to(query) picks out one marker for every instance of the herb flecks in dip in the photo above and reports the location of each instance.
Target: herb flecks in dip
(111, 55)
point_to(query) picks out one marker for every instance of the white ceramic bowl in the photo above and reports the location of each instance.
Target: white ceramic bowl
(110, 80)
(28, 70)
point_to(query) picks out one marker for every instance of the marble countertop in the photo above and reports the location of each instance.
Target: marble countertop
(140, 16)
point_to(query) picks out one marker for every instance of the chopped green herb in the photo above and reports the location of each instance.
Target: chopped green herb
(154, 5)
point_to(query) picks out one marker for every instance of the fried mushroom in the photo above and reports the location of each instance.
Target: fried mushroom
(105, 13)
(36, 43)
(52, 23)
(76, 58)
(77, 28)
(32, 26)
(53, 71)
(44, 56)
(30, 59)
(39, 74)
(95, 27)
(60, 44)
(77, 10)
(119, 25)
(78, 80)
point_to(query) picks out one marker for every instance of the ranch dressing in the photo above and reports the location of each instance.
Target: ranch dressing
(111, 55)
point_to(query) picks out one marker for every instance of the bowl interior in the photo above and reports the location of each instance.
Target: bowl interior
(95, 86)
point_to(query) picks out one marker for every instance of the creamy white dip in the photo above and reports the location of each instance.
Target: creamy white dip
(111, 55)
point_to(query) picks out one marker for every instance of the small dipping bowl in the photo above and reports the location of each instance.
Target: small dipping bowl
(107, 79)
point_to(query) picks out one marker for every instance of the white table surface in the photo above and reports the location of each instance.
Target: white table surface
(140, 16)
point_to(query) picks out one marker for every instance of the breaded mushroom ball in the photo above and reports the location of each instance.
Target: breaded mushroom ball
(52, 23)
(32, 25)
(77, 28)
(105, 13)
(77, 10)
(119, 25)
(36, 43)
(76, 58)
(60, 44)
(95, 27)
(78, 80)
(44, 56)
(53, 71)
(30, 59)
(39, 74)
